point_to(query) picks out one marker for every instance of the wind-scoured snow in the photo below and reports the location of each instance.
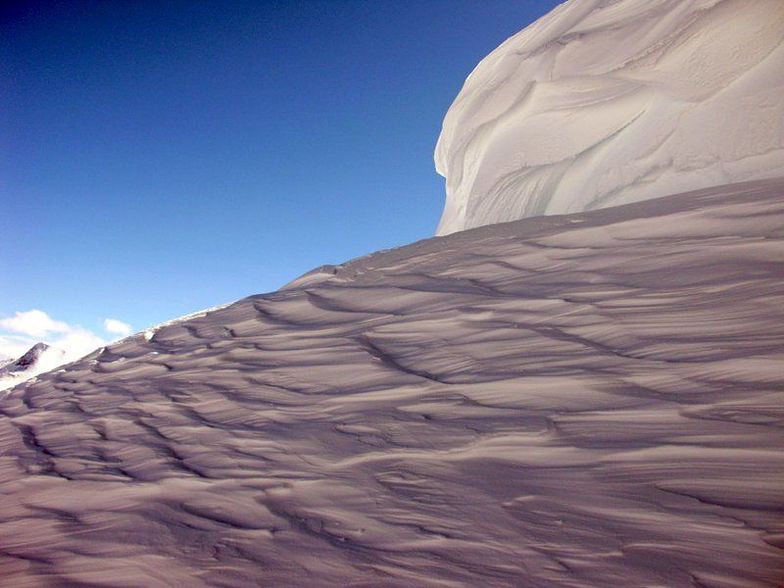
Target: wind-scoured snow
(585, 400)
(606, 102)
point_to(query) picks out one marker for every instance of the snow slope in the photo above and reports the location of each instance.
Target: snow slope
(566, 401)
(606, 102)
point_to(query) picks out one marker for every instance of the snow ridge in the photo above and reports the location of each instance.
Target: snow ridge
(605, 102)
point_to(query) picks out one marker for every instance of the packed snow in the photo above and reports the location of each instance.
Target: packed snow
(606, 102)
(588, 400)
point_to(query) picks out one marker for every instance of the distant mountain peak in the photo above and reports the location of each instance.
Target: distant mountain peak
(30, 357)
(41, 357)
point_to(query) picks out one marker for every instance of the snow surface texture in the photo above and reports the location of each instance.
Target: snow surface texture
(586, 400)
(606, 102)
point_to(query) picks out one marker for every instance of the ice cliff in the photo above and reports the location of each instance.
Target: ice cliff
(606, 102)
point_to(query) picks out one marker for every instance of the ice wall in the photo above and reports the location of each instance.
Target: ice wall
(605, 102)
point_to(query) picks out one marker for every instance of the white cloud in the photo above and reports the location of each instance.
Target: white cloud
(117, 327)
(12, 346)
(23, 330)
(77, 342)
(34, 323)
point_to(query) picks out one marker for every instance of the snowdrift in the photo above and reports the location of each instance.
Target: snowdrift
(586, 400)
(602, 103)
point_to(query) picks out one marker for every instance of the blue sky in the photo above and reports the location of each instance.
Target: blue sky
(159, 158)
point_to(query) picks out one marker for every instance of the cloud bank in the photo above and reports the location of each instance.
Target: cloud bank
(26, 328)
(117, 327)
(33, 323)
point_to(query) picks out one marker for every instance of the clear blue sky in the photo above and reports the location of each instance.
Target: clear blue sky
(157, 158)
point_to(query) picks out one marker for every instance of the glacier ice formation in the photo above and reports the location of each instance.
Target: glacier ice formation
(606, 102)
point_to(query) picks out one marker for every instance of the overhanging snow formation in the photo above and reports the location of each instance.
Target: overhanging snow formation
(606, 102)
(584, 400)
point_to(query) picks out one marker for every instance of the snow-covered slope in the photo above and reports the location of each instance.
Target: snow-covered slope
(587, 400)
(38, 359)
(604, 102)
